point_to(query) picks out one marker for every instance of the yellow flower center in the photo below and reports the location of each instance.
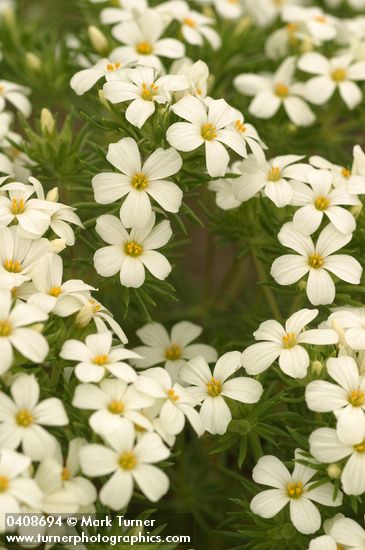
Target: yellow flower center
(24, 418)
(133, 249)
(214, 387)
(321, 203)
(295, 490)
(17, 206)
(208, 131)
(4, 484)
(316, 261)
(13, 266)
(240, 127)
(5, 327)
(274, 174)
(144, 48)
(289, 340)
(357, 398)
(2, 88)
(113, 66)
(55, 291)
(100, 360)
(173, 352)
(116, 407)
(189, 22)
(172, 395)
(338, 75)
(281, 90)
(139, 429)
(139, 181)
(233, 1)
(320, 19)
(360, 448)
(345, 172)
(95, 307)
(65, 474)
(149, 91)
(127, 461)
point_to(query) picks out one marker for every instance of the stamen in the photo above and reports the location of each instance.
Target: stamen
(214, 387)
(208, 131)
(127, 461)
(13, 266)
(189, 22)
(65, 474)
(133, 249)
(4, 484)
(139, 181)
(338, 75)
(173, 352)
(116, 407)
(55, 291)
(240, 127)
(149, 91)
(5, 328)
(321, 203)
(295, 490)
(289, 340)
(113, 66)
(100, 360)
(357, 398)
(17, 206)
(144, 48)
(316, 261)
(281, 90)
(360, 448)
(24, 418)
(172, 395)
(274, 174)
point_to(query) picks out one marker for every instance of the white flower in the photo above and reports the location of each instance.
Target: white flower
(97, 357)
(208, 128)
(130, 253)
(339, 72)
(142, 37)
(174, 349)
(15, 488)
(352, 178)
(139, 182)
(249, 136)
(352, 320)
(286, 344)
(325, 542)
(273, 176)
(129, 464)
(320, 198)
(346, 398)
(16, 95)
(293, 489)
(346, 531)
(327, 446)
(144, 90)
(109, 16)
(229, 9)
(211, 389)
(112, 401)
(113, 68)
(321, 26)
(316, 260)
(176, 402)
(271, 91)
(22, 418)
(196, 74)
(50, 293)
(225, 190)
(90, 310)
(15, 331)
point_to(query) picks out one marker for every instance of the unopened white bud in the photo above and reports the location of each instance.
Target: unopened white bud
(52, 195)
(58, 245)
(316, 367)
(334, 471)
(33, 61)
(38, 327)
(98, 39)
(47, 121)
(85, 315)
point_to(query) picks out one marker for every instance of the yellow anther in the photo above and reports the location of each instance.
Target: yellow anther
(316, 261)
(100, 360)
(214, 387)
(149, 91)
(173, 352)
(289, 340)
(144, 48)
(116, 407)
(65, 474)
(345, 172)
(320, 19)
(13, 266)
(281, 90)
(133, 249)
(113, 66)
(240, 127)
(357, 398)
(127, 461)
(274, 174)
(189, 22)
(338, 75)
(17, 206)
(321, 203)
(55, 291)
(139, 181)
(360, 448)
(295, 490)
(5, 327)
(172, 395)
(4, 484)
(24, 418)
(208, 131)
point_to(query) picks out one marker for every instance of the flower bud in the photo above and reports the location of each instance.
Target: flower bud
(98, 40)
(33, 62)
(334, 471)
(356, 210)
(316, 367)
(38, 327)
(47, 121)
(52, 195)
(58, 245)
(302, 285)
(85, 315)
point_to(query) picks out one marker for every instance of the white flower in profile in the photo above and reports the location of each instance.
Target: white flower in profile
(139, 182)
(319, 199)
(339, 72)
(225, 193)
(112, 400)
(18, 255)
(286, 343)
(64, 489)
(294, 489)
(212, 389)
(319, 25)
(176, 403)
(346, 398)
(96, 358)
(112, 68)
(172, 350)
(352, 320)
(348, 532)
(142, 39)
(22, 418)
(143, 89)
(92, 310)
(50, 293)
(351, 177)
(129, 463)
(316, 260)
(110, 16)
(272, 91)
(16, 489)
(249, 136)
(130, 253)
(328, 447)
(16, 331)
(274, 177)
(196, 74)
(210, 129)
(16, 95)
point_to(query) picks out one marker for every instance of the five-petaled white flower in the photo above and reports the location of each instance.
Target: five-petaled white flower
(286, 344)
(16, 95)
(129, 463)
(130, 253)
(352, 320)
(293, 489)
(138, 182)
(211, 388)
(316, 260)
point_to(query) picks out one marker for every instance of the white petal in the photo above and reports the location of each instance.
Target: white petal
(320, 287)
(153, 482)
(269, 503)
(353, 475)
(259, 357)
(304, 516)
(215, 415)
(294, 362)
